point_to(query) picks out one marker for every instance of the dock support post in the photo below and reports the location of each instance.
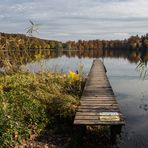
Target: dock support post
(78, 133)
(114, 131)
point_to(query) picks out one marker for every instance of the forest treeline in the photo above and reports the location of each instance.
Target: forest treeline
(134, 42)
(21, 42)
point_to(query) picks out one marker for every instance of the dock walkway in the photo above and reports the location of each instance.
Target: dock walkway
(98, 105)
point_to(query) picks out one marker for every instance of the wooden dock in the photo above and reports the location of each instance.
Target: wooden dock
(98, 105)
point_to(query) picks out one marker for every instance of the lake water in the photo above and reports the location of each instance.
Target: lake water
(131, 92)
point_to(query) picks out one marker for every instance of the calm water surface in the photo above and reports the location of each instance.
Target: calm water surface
(131, 92)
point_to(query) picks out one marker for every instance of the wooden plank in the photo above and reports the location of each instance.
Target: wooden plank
(98, 104)
(98, 88)
(100, 101)
(98, 122)
(99, 97)
(98, 91)
(97, 109)
(103, 100)
(93, 117)
(90, 113)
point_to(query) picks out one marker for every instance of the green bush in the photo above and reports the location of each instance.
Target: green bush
(30, 102)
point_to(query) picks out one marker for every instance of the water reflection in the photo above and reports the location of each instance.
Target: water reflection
(23, 57)
(131, 93)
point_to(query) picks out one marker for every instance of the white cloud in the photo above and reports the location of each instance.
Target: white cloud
(75, 19)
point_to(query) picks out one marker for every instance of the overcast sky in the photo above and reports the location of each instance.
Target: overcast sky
(76, 19)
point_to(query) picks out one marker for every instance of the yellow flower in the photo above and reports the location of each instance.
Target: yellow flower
(49, 75)
(38, 56)
(1, 88)
(73, 76)
(64, 76)
(4, 105)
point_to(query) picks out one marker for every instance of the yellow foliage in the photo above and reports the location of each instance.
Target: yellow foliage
(1, 88)
(73, 76)
(37, 56)
(64, 76)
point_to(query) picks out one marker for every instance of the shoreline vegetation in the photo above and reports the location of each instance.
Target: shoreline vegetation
(22, 42)
(30, 103)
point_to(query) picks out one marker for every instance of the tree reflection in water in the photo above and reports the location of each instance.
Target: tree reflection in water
(140, 57)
